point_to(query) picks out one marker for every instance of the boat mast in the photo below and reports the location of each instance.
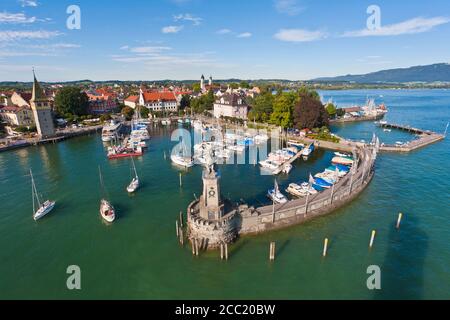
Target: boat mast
(34, 192)
(134, 167)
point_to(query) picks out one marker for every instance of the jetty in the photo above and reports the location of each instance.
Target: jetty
(61, 135)
(426, 137)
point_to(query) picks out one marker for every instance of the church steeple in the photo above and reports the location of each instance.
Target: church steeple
(38, 93)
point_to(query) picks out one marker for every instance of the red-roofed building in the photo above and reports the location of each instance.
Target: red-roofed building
(17, 116)
(131, 101)
(159, 101)
(101, 103)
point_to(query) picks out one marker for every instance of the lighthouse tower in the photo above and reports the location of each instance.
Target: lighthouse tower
(42, 111)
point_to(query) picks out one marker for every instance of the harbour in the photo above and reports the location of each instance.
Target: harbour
(146, 219)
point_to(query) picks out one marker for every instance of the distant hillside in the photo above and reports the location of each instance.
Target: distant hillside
(429, 73)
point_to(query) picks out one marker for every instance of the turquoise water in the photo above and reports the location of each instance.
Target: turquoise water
(139, 257)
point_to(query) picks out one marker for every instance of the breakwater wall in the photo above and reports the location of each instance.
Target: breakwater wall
(257, 220)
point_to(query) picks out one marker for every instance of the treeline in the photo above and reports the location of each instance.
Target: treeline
(290, 109)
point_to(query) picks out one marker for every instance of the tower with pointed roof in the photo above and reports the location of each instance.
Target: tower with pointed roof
(42, 111)
(202, 83)
(210, 81)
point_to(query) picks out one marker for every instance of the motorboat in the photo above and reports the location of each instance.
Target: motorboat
(110, 131)
(296, 190)
(287, 168)
(342, 160)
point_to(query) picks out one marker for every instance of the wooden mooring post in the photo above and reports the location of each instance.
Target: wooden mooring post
(181, 237)
(272, 251)
(400, 215)
(325, 247)
(181, 182)
(372, 238)
(178, 229)
(181, 219)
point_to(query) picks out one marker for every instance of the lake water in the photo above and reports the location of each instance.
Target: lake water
(138, 257)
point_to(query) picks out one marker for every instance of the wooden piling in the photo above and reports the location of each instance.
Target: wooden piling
(226, 251)
(181, 237)
(272, 251)
(181, 182)
(372, 237)
(400, 215)
(325, 247)
(181, 219)
(221, 251)
(178, 230)
(192, 245)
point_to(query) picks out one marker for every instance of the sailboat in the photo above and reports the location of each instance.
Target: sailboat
(134, 184)
(106, 209)
(275, 195)
(45, 207)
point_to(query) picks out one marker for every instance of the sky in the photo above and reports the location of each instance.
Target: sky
(246, 39)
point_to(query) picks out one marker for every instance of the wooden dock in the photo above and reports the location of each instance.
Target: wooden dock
(426, 137)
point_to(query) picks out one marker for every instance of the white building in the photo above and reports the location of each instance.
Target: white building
(159, 101)
(230, 105)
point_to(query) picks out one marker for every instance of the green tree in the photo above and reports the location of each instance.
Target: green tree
(196, 87)
(128, 112)
(203, 103)
(244, 84)
(283, 108)
(262, 107)
(144, 112)
(234, 85)
(185, 102)
(331, 109)
(310, 113)
(71, 100)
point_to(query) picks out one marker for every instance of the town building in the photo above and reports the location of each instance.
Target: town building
(101, 102)
(131, 101)
(17, 116)
(42, 111)
(231, 105)
(159, 101)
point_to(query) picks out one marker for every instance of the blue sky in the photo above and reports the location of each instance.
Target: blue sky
(250, 39)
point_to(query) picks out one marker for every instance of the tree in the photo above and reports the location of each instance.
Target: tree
(144, 112)
(244, 84)
(262, 107)
(331, 109)
(128, 112)
(185, 101)
(234, 85)
(310, 113)
(196, 87)
(283, 108)
(203, 103)
(70, 100)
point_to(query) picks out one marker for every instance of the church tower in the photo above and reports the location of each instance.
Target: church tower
(210, 80)
(42, 111)
(202, 83)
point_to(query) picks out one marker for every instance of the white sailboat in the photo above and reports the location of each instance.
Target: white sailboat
(275, 195)
(134, 184)
(106, 209)
(43, 208)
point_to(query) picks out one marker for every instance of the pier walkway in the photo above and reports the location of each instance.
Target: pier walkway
(426, 137)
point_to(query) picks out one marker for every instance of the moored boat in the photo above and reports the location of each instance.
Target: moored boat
(275, 195)
(342, 160)
(296, 190)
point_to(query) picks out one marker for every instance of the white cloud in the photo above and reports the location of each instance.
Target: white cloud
(188, 17)
(28, 3)
(244, 35)
(289, 7)
(147, 50)
(299, 35)
(223, 31)
(411, 26)
(10, 35)
(172, 29)
(124, 47)
(15, 18)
